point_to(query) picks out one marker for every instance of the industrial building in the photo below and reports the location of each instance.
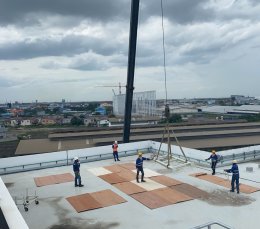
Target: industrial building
(144, 104)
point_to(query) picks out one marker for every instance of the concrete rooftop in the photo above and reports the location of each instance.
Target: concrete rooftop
(54, 211)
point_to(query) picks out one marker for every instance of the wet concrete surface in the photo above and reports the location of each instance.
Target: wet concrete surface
(65, 222)
(9, 185)
(225, 198)
(164, 171)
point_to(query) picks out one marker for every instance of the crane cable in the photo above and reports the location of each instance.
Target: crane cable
(164, 56)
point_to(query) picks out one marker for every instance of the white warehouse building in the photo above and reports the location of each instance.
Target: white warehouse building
(144, 103)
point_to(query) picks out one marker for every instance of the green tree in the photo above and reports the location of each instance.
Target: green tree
(175, 118)
(76, 121)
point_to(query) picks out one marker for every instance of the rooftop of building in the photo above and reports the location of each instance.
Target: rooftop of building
(54, 211)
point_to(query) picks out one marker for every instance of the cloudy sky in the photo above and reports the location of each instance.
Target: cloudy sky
(54, 49)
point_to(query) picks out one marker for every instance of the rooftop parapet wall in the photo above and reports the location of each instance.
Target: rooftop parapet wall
(62, 158)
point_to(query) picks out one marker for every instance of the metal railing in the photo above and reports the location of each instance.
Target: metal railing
(225, 160)
(66, 161)
(208, 225)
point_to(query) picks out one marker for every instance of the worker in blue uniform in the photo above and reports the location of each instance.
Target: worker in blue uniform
(76, 169)
(214, 160)
(235, 176)
(139, 166)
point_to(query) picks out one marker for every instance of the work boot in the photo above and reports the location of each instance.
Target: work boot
(231, 190)
(118, 159)
(237, 192)
(143, 180)
(76, 185)
(81, 185)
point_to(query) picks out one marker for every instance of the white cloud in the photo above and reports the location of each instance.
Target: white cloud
(49, 53)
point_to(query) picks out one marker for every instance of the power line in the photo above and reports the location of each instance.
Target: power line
(164, 64)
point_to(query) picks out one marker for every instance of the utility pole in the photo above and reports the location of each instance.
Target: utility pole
(131, 68)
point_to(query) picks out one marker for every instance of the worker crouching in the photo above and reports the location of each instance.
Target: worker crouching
(139, 166)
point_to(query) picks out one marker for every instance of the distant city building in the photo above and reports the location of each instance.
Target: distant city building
(242, 100)
(244, 109)
(101, 110)
(2, 132)
(144, 103)
(25, 122)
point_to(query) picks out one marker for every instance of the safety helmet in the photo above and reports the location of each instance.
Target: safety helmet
(140, 153)
(213, 151)
(234, 161)
(75, 158)
(115, 142)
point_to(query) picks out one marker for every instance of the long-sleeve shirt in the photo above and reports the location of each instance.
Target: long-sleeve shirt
(76, 166)
(139, 161)
(213, 157)
(115, 147)
(234, 170)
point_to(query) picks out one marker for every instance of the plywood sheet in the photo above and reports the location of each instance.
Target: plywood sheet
(164, 180)
(113, 178)
(198, 174)
(248, 189)
(99, 171)
(151, 200)
(129, 166)
(107, 198)
(149, 184)
(211, 178)
(43, 181)
(190, 190)
(227, 183)
(84, 202)
(242, 187)
(62, 178)
(171, 195)
(114, 168)
(129, 188)
(127, 175)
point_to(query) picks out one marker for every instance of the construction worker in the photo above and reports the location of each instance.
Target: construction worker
(214, 160)
(76, 169)
(235, 176)
(115, 152)
(139, 166)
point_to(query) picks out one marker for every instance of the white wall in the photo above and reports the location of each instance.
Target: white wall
(11, 213)
(62, 155)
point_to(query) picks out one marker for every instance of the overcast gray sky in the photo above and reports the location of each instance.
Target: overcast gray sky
(56, 49)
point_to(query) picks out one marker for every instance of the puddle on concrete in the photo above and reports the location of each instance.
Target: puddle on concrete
(9, 185)
(225, 198)
(76, 222)
(164, 171)
(85, 226)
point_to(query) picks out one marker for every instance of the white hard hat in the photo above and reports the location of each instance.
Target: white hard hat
(116, 142)
(75, 158)
(234, 161)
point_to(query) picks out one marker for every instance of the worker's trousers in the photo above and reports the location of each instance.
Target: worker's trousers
(115, 154)
(77, 178)
(235, 178)
(139, 169)
(213, 166)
